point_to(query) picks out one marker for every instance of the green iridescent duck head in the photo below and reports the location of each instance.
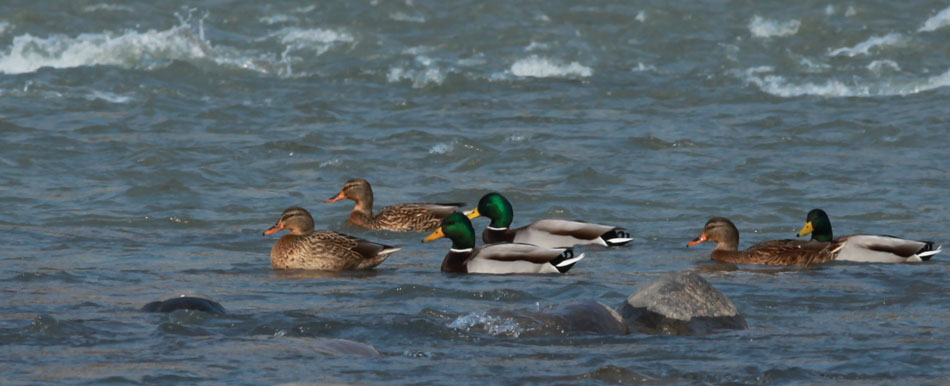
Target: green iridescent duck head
(818, 224)
(496, 207)
(456, 227)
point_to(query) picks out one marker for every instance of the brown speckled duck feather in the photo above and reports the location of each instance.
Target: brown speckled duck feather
(775, 252)
(419, 217)
(305, 248)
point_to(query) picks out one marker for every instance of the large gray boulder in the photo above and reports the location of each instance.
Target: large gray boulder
(680, 303)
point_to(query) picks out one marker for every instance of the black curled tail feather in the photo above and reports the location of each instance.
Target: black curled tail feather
(928, 247)
(614, 234)
(567, 255)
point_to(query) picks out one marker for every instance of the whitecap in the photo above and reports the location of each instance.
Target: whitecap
(108, 97)
(641, 16)
(865, 47)
(533, 46)
(940, 20)
(829, 10)
(442, 148)
(294, 35)
(108, 7)
(29, 53)
(878, 66)
(779, 86)
(404, 17)
(279, 18)
(4, 26)
(761, 27)
(493, 325)
(850, 11)
(419, 77)
(540, 67)
(644, 67)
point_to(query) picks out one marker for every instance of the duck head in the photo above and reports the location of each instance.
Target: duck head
(818, 225)
(720, 230)
(295, 219)
(496, 207)
(357, 190)
(456, 227)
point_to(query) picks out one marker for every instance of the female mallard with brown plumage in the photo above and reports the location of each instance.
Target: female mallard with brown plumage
(499, 258)
(775, 252)
(304, 248)
(867, 248)
(549, 233)
(400, 218)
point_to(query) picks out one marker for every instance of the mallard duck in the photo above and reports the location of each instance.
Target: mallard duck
(399, 218)
(304, 248)
(549, 233)
(775, 252)
(867, 248)
(497, 258)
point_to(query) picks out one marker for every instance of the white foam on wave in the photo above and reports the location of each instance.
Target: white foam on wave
(850, 11)
(940, 20)
(146, 50)
(878, 66)
(541, 67)
(29, 53)
(761, 27)
(864, 48)
(407, 18)
(317, 39)
(108, 7)
(644, 67)
(4, 26)
(493, 325)
(279, 18)
(110, 97)
(641, 17)
(442, 148)
(424, 71)
(779, 86)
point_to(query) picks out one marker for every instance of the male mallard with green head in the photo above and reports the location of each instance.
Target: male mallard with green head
(399, 218)
(499, 258)
(867, 248)
(549, 233)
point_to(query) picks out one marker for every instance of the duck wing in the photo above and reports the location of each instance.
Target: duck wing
(787, 252)
(884, 249)
(521, 258)
(565, 233)
(413, 217)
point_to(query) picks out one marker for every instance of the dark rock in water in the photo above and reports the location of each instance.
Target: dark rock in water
(185, 303)
(586, 316)
(680, 304)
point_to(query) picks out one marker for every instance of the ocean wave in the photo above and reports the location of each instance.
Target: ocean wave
(491, 324)
(422, 72)
(940, 20)
(864, 48)
(778, 85)
(108, 7)
(766, 28)
(148, 50)
(317, 39)
(878, 66)
(540, 67)
(4, 26)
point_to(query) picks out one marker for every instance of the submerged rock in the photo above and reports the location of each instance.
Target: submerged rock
(185, 303)
(680, 303)
(586, 316)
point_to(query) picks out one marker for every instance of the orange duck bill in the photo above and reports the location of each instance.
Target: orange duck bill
(338, 197)
(274, 229)
(701, 238)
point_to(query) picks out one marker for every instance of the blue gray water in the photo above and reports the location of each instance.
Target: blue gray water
(146, 145)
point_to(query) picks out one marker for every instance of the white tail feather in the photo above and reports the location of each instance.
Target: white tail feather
(618, 240)
(389, 250)
(571, 261)
(931, 253)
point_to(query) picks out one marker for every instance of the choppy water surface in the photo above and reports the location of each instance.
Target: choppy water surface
(145, 147)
